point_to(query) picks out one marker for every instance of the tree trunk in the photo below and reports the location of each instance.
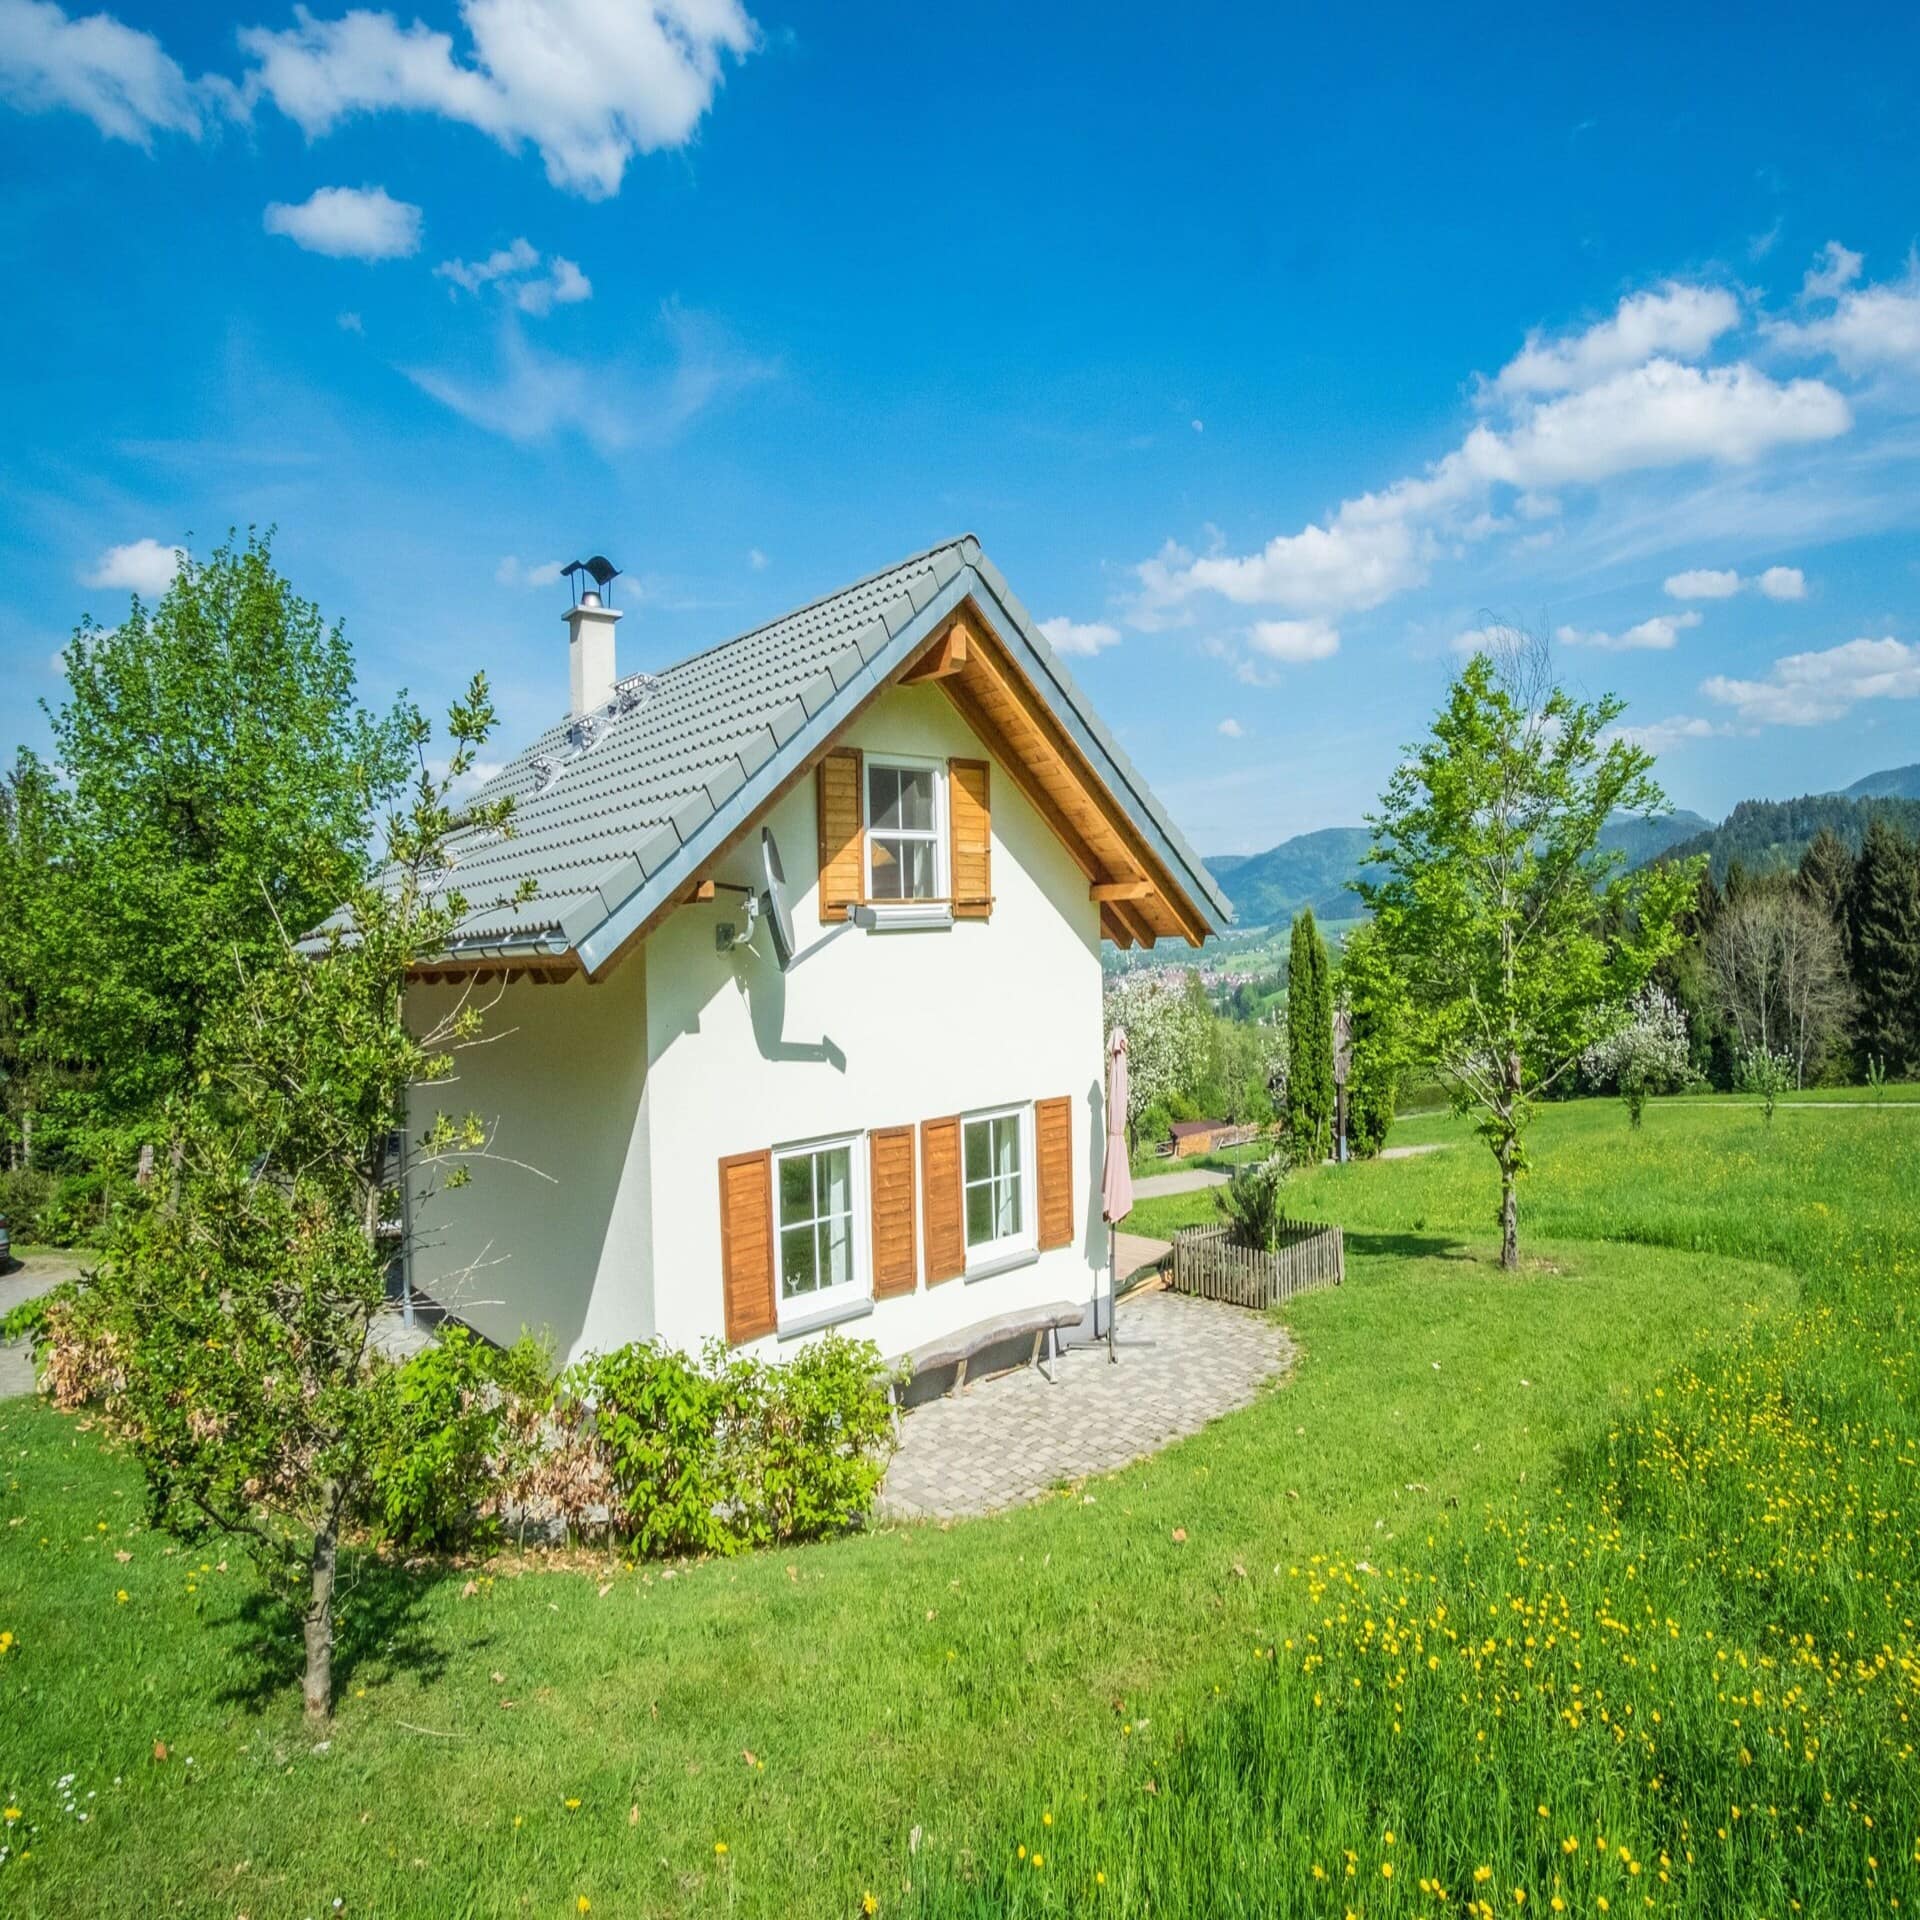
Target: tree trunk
(1509, 1152)
(319, 1624)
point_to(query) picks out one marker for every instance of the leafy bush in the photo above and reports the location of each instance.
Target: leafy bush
(77, 1211)
(24, 1194)
(447, 1441)
(729, 1452)
(1251, 1201)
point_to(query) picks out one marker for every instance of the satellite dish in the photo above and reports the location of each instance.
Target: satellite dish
(779, 915)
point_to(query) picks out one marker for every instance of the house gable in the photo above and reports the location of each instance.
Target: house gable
(618, 835)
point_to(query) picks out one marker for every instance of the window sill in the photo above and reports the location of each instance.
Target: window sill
(905, 916)
(1002, 1263)
(826, 1317)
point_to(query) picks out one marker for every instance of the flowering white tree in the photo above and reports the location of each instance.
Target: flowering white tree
(1168, 1029)
(1648, 1053)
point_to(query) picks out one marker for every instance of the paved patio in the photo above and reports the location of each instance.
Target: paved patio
(28, 1280)
(1003, 1441)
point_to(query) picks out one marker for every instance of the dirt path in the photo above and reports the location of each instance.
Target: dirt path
(28, 1280)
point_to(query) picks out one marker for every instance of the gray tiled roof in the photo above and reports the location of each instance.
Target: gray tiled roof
(607, 830)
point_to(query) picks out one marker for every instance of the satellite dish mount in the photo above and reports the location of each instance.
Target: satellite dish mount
(769, 903)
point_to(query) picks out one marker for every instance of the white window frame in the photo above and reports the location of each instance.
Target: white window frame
(823, 1306)
(935, 909)
(1014, 1249)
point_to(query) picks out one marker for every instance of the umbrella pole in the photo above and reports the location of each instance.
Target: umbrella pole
(1113, 1287)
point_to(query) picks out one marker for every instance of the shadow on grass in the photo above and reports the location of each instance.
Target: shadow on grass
(1408, 1246)
(379, 1633)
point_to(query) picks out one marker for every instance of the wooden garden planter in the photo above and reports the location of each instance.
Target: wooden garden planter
(1211, 1263)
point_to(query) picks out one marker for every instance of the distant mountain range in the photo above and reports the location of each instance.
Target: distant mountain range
(1315, 869)
(1897, 783)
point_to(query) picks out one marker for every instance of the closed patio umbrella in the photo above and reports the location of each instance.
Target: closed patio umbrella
(1116, 1181)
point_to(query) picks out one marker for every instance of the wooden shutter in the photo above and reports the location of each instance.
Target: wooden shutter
(970, 837)
(940, 1199)
(746, 1244)
(1053, 1150)
(842, 861)
(896, 1263)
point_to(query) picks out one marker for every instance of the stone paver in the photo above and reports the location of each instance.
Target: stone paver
(1188, 1180)
(28, 1280)
(1007, 1440)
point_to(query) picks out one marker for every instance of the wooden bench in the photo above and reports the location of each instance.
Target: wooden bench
(957, 1350)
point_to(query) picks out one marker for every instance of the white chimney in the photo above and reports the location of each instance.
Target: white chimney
(590, 653)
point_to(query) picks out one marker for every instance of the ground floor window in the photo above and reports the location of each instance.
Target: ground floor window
(995, 1156)
(820, 1266)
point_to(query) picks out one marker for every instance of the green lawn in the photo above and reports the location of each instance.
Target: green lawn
(962, 1682)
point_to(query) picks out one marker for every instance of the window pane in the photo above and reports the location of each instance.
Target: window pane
(1007, 1213)
(979, 1215)
(797, 1270)
(916, 798)
(883, 797)
(918, 856)
(886, 870)
(796, 1189)
(1006, 1145)
(836, 1251)
(979, 1136)
(836, 1179)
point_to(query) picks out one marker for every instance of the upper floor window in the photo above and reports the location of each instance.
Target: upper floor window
(906, 830)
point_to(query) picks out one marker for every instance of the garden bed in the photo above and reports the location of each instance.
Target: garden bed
(1214, 1263)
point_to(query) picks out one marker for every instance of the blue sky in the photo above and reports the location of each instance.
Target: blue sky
(1269, 352)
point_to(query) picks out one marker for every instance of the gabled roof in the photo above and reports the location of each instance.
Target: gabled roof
(614, 828)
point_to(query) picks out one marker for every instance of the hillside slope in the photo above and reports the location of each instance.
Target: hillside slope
(1315, 869)
(1891, 783)
(1774, 833)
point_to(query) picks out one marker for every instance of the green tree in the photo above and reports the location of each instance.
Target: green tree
(29, 807)
(1519, 937)
(1883, 917)
(1377, 1042)
(1826, 876)
(259, 1397)
(1309, 1042)
(221, 781)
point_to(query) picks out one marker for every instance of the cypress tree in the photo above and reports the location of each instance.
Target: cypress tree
(1883, 913)
(1309, 1042)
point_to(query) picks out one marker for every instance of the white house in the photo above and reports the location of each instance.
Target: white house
(901, 1131)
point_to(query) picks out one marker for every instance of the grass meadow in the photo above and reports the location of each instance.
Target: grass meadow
(1627, 1538)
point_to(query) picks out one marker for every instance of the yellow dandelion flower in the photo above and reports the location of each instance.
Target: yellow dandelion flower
(1604, 1904)
(1046, 1819)
(719, 1849)
(868, 1904)
(583, 1905)
(120, 1598)
(1386, 1869)
(1039, 1860)
(1100, 1876)
(1481, 1875)
(571, 1804)
(12, 1814)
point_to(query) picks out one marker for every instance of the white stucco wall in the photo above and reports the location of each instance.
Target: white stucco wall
(626, 1095)
(552, 1234)
(872, 1029)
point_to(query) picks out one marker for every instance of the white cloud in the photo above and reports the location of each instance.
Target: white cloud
(1294, 642)
(1704, 583)
(1632, 420)
(757, 560)
(350, 323)
(533, 395)
(503, 263)
(510, 573)
(1231, 729)
(1072, 636)
(1479, 640)
(141, 566)
(1807, 689)
(1658, 634)
(563, 285)
(1661, 736)
(1871, 328)
(349, 223)
(1834, 269)
(1722, 583)
(589, 82)
(1677, 319)
(122, 79)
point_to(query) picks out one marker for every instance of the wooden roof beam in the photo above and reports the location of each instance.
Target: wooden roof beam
(946, 657)
(1120, 889)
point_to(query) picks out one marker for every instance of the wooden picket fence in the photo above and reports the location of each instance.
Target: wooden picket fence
(1212, 1263)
